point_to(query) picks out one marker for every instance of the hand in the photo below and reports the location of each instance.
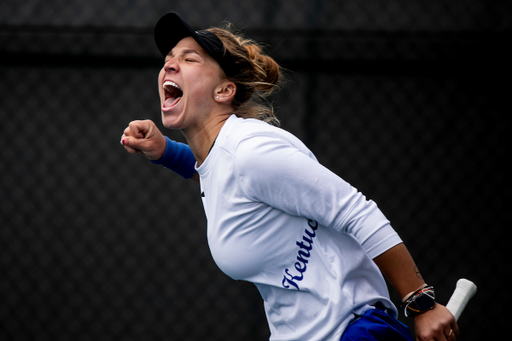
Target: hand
(145, 137)
(437, 324)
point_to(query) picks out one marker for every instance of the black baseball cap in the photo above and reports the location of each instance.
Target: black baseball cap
(171, 28)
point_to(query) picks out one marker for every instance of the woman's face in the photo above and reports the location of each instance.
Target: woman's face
(187, 84)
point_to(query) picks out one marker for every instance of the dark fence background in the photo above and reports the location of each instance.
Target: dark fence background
(407, 100)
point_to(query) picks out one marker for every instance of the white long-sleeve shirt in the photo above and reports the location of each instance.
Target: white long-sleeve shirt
(300, 233)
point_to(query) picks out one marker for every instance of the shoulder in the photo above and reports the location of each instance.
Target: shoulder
(255, 137)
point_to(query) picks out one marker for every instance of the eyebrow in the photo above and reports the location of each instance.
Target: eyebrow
(184, 52)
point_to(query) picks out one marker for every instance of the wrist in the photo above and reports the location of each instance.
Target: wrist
(419, 301)
(163, 159)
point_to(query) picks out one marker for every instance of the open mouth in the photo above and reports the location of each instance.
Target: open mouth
(172, 92)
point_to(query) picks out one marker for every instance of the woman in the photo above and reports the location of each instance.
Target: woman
(311, 244)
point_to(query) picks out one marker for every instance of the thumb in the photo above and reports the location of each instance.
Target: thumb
(132, 144)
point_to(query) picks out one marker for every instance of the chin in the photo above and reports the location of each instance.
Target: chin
(171, 121)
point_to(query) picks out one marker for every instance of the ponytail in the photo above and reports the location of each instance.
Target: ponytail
(257, 77)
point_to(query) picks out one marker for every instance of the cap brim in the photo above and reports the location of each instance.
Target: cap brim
(169, 30)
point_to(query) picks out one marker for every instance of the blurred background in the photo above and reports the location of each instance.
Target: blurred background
(404, 99)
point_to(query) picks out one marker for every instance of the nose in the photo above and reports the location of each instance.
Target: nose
(171, 65)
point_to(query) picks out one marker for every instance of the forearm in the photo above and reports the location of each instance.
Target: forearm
(399, 268)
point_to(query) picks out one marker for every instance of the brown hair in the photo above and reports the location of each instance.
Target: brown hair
(257, 77)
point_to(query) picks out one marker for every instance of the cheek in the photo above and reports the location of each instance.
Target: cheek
(208, 81)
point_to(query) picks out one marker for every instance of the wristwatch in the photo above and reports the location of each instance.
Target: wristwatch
(419, 302)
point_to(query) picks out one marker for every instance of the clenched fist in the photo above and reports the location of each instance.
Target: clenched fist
(143, 136)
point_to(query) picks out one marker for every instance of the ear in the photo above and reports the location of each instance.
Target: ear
(225, 92)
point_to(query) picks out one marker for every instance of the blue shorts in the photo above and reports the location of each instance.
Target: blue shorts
(376, 325)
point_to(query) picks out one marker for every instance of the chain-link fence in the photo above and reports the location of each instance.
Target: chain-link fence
(405, 100)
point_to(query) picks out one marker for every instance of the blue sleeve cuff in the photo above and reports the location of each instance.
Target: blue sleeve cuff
(178, 157)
